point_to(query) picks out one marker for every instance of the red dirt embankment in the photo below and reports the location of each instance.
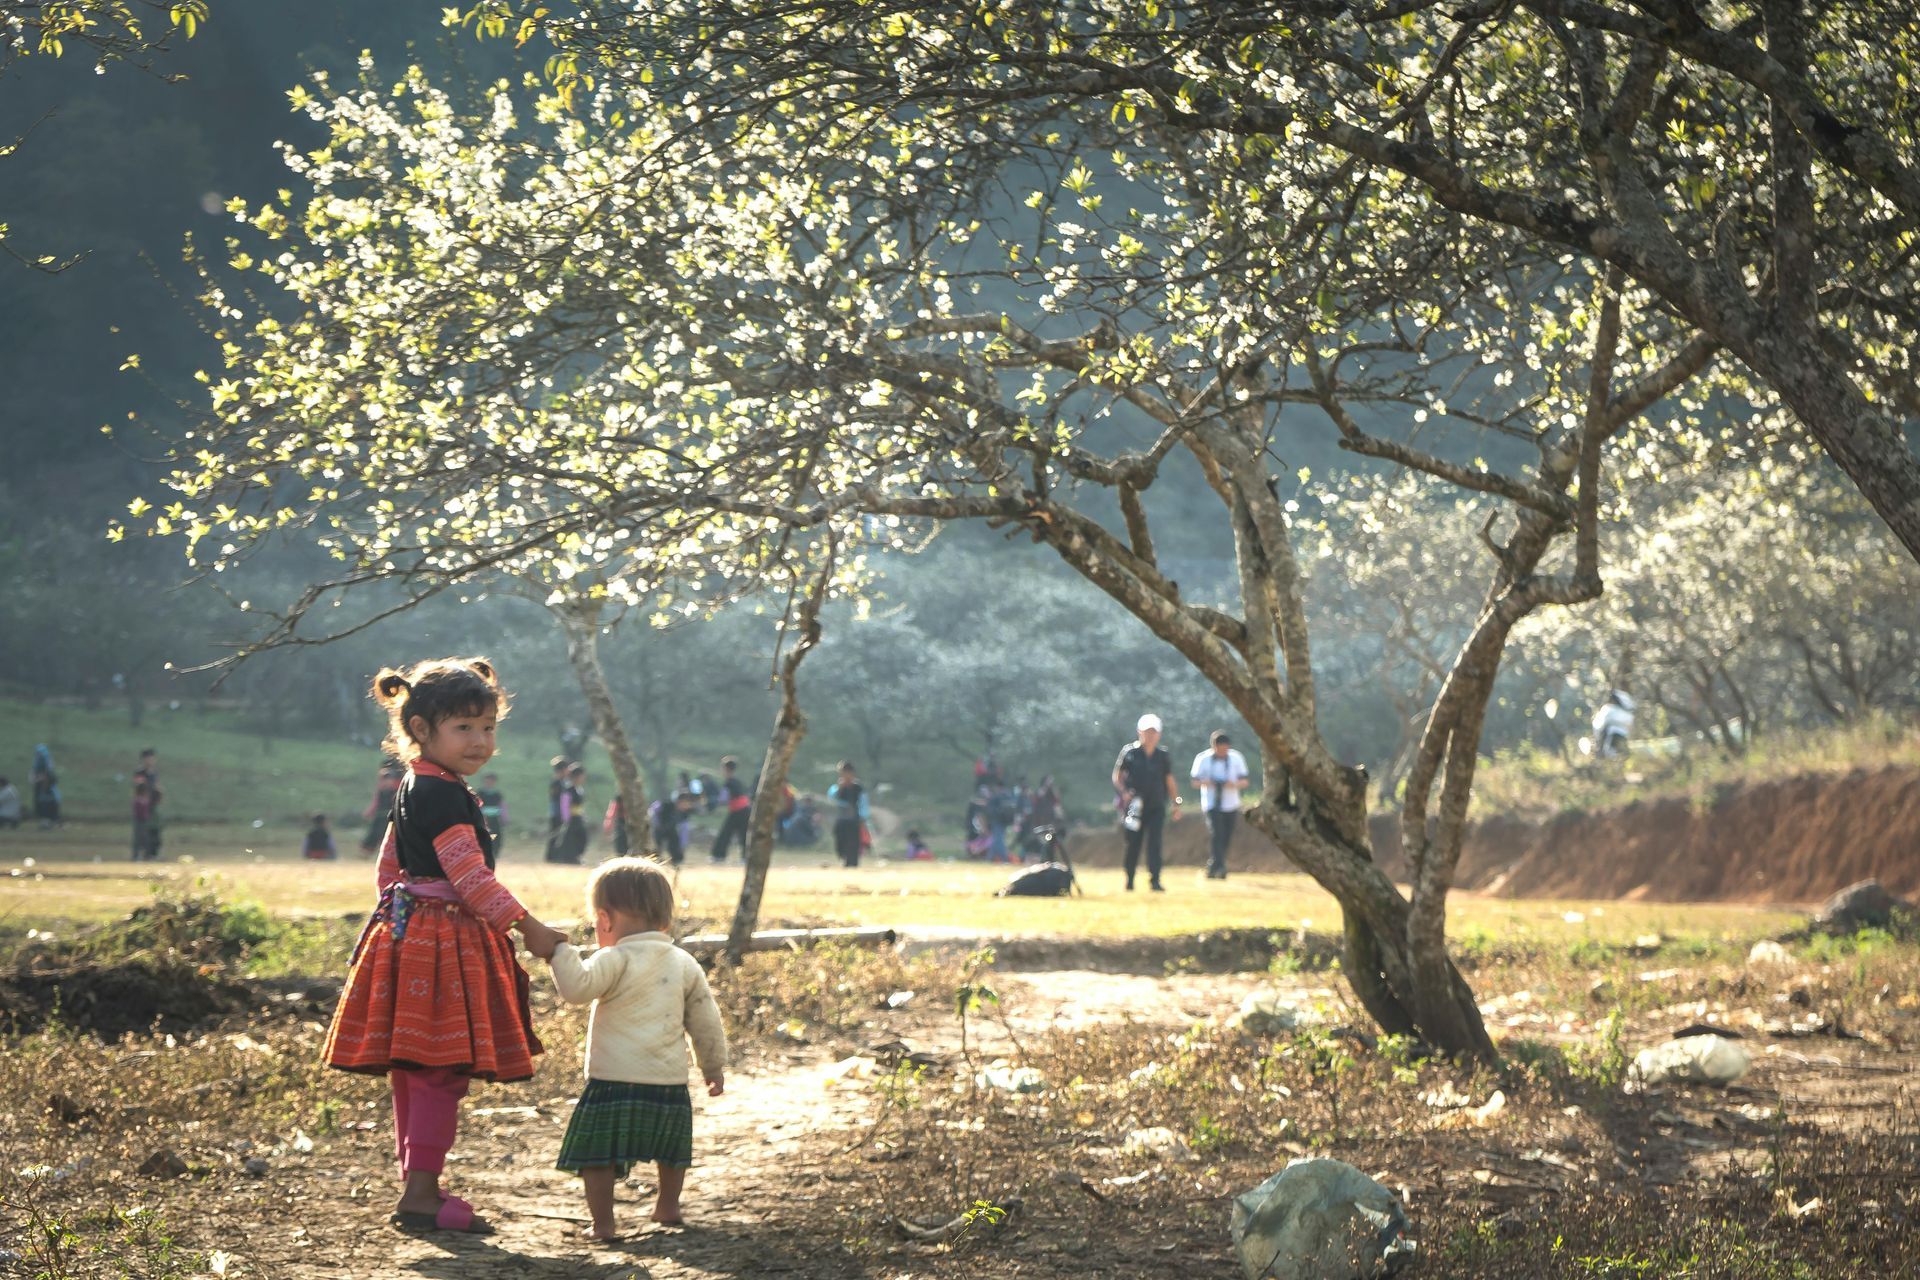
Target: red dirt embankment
(1794, 839)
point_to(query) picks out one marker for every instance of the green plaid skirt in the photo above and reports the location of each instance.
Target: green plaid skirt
(622, 1125)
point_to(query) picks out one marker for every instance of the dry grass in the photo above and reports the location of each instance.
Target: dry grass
(1533, 783)
(1574, 1178)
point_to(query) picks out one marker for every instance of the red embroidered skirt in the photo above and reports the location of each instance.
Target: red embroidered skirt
(448, 993)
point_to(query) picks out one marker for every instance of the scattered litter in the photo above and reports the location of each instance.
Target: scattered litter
(848, 1072)
(1783, 1205)
(1132, 1179)
(1767, 951)
(1265, 1012)
(1011, 1079)
(1574, 917)
(1445, 1097)
(1692, 1059)
(1648, 942)
(899, 999)
(301, 1142)
(1480, 1117)
(1320, 1220)
(1159, 1142)
(517, 1113)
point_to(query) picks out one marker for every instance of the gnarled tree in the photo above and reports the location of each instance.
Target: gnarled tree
(658, 340)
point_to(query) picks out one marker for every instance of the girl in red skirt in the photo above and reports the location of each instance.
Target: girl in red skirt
(435, 995)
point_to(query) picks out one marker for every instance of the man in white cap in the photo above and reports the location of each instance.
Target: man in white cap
(1143, 775)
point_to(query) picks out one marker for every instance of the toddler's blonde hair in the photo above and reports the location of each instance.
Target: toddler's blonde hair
(633, 886)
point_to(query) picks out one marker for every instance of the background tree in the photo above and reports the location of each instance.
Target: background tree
(1755, 167)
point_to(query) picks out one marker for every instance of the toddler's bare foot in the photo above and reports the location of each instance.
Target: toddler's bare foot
(602, 1231)
(668, 1215)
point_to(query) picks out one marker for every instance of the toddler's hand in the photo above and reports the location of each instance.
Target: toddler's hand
(541, 939)
(716, 1085)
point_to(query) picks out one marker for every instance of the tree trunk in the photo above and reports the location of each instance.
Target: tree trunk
(789, 727)
(581, 622)
(1381, 961)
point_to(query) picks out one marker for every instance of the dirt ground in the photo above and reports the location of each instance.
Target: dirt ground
(827, 1158)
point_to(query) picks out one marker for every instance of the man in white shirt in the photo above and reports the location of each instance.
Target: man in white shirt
(1221, 774)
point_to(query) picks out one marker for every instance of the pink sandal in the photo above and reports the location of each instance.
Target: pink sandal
(454, 1214)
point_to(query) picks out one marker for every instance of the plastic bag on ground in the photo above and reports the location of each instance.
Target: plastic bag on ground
(1692, 1060)
(1320, 1220)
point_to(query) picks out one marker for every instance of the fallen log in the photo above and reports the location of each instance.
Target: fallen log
(711, 944)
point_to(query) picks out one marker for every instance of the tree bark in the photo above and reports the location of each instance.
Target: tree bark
(789, 727)
(581, 622)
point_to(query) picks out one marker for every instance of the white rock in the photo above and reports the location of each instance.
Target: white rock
(1692, 1060)
(1767, 951)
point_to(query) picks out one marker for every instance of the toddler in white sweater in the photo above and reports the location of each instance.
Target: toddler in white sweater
(648, 997)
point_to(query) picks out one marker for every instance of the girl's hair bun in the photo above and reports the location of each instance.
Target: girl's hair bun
(390, 686)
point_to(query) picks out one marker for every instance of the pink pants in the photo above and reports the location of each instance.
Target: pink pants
(426, 1111)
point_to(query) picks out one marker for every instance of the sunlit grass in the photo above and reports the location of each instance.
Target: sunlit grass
(67, 886)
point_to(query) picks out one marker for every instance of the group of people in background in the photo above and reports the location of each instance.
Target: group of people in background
(1008, 820)
(1147, 794)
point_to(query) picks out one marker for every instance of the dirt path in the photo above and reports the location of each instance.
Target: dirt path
(763, 1151)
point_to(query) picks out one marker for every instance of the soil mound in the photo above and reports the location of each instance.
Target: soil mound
(1793, 840)
(171, 966)
(111, 1000)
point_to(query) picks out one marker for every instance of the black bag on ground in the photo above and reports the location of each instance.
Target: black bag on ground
(1047, 880)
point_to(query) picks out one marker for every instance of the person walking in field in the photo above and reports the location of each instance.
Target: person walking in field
(380, 813)
(568, 842)
(850, 814)
(1143, 778)
(1221, 774)
(649, 997)
(146, 808)
(1613, 724)
(434, 997)
(493, 810)
(739, 804)
(45, 784)
(556, 788)
(10, 810)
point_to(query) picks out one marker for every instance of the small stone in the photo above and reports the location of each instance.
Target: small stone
(163, 1164)
(255, 1167)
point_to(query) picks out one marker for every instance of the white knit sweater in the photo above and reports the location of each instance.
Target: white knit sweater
(648, 997)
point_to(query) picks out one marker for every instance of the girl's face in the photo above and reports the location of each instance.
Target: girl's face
(458, 744)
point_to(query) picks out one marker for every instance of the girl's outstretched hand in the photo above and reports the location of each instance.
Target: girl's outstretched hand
(541, 939)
